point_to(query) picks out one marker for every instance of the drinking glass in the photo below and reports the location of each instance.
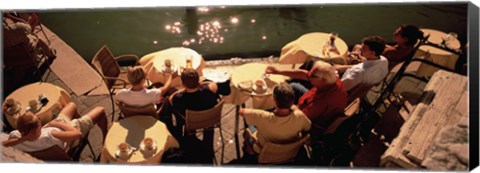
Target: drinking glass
(269, 62)
(189, 61)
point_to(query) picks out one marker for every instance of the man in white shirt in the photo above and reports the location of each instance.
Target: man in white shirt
(65, 130)
(372, 70)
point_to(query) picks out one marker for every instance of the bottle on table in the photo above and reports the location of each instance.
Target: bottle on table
(330, 45)
(189, 62)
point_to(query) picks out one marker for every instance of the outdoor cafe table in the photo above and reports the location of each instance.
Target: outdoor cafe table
(310, 46)
(252, 72)
(57, 99)
(153, 63)
(133, 130)
(438, 56)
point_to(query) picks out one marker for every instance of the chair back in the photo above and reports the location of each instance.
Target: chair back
(203, 119)
(19, 57)
(359, 91)
(275, 153)
(53, 153)
(342, 127)
(129, 111)
(106, 65)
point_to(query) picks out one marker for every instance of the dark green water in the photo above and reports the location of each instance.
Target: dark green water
(144, 30)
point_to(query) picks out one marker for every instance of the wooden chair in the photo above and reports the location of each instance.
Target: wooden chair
(129, 111)
(205, 120)
(109, 69)
(339, 142)
(358, 91)
(55, 153)
(20, 57)
(279, 153)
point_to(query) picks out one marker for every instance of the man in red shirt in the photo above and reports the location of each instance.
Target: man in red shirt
(325, 101)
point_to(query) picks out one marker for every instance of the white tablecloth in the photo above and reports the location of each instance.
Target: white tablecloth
(154, 62)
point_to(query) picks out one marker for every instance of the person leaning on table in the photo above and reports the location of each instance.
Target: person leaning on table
(66, 129)
(325, 101)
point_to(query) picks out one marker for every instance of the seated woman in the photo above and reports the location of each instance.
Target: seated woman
(66, 129)
(138, 95)
(406, 36)
(284, 124)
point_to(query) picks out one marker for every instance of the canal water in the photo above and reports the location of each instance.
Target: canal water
(222, 32)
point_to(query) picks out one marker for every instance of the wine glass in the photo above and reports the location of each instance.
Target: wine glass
(269, 62)
(333, 36)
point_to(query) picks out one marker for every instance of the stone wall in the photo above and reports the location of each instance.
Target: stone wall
(450, 149)
(10, 155)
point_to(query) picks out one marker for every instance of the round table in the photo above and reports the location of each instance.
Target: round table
(133, 130)
(310, 46)
(57, 99)
(253, 72)
(153, 63)
(438, 56)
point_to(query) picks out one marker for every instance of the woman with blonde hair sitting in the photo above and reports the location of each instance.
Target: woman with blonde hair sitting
(138, 94)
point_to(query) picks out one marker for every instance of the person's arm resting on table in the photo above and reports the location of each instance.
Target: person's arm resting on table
(295, 73)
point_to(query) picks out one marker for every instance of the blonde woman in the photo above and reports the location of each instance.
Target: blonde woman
(138, 94)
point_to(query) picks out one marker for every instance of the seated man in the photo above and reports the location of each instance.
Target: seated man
(18, 32)
(195, 96)
(284, 124)
(405, 36)
(325, 101)
(138, 95)
(67, 128)
(369, 72)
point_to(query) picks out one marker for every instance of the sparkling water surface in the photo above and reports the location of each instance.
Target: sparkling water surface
(222, 32)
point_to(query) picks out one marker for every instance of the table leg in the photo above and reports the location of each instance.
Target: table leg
(237, 145)
(103, 156)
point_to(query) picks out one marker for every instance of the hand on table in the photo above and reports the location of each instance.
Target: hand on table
(271, 70)
(174, 74)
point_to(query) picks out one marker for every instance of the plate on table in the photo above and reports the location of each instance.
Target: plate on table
(149, 152)
(10, 111)
(260, 90)
(124, 156)
(246, 86)
(39, 106)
